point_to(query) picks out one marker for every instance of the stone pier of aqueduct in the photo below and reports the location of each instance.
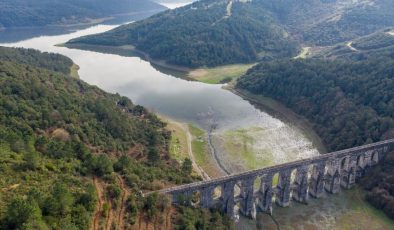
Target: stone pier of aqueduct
(255, 191)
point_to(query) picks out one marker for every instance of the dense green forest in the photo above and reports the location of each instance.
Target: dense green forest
(57, 133)
(22, 13)
(348, 103)
(212, 33)
(205, 33)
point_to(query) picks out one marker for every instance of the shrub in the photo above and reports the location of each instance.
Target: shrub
(114, 191)
(132, 180)
(32, 160)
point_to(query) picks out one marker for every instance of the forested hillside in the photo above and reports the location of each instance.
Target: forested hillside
(22, 13)
(57, 133)
(205, 33)
(212, 33)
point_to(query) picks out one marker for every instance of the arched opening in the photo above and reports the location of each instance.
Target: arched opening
(308, 177)
(337, 178)
(275, 182)
(310, 172)
(237, 190)
(360, 166)
(257, 185)
(195, 198)
(348, 177)
(217, 192)
(375, 158)
(345, 168)
(344, 163)
(295, 179)
(237, 207)
(360, 160)
(327, 169)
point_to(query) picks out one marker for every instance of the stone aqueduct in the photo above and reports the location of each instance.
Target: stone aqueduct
(255, 191)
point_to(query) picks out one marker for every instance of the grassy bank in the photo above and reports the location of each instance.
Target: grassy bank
(179, 141)
(201, 152)
(74, 71)
(189, 141)
(220, 74)
(199, 144)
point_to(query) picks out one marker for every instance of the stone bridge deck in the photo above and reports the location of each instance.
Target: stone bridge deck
(297, 180)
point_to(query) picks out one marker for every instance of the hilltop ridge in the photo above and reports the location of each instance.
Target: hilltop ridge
(219, 32)
(24, 13)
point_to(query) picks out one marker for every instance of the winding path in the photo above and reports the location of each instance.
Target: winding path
(229, 9)
(100, 203)
(214, 153)
(110, 217)
(349, 45)
(196, 167)
(125, 193)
